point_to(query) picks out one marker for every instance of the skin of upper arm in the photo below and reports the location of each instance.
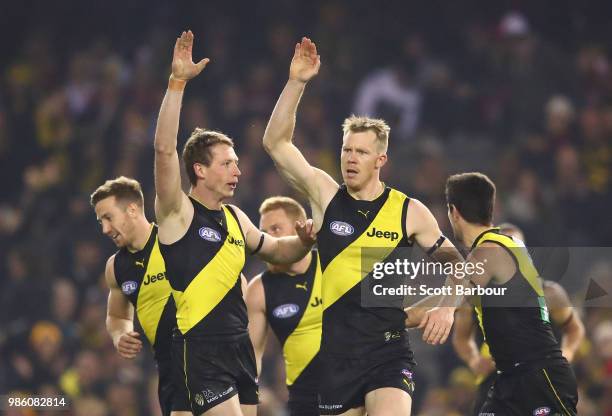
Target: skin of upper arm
(256, 306)
(464, 324)
(317, 185)
(118, 304)
(558, 302)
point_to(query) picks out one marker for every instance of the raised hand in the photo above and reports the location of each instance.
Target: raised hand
(183, 67)
(305, 63)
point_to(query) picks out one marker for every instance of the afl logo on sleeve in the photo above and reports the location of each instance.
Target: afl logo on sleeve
(209, 234)
(286, 311)
(129, 287)
(341, 228)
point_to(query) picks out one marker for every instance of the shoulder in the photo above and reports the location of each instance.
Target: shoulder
(555, 293)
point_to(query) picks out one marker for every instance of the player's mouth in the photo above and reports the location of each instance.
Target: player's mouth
(351, 173)
(115, 237)
(232, 185)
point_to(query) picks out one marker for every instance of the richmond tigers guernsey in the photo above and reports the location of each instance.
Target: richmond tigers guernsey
(349, 225)
(204, 269)
(294, 309)
(516, 326)
(142, 278)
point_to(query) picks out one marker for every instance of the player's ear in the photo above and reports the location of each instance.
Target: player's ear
(381, 160)
(200, 170)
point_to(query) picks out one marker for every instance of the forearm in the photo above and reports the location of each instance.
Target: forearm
(117, 327)
(466, 349)
(572, 338)
(416, 312)
(282, 121)
(166, 131)
(288, 250)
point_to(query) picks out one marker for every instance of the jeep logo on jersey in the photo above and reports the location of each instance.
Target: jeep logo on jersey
(383, 234)
(153, 278)
(341, 228)
(235, 241)
(541, 411)
(286, 311)
(129, 287)
(209, 234)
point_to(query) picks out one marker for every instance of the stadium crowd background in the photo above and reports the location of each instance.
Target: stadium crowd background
(519, 90)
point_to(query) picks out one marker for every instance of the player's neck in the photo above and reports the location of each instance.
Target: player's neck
(472, 232)
(209, 199)
(369, 192)
(142, 233)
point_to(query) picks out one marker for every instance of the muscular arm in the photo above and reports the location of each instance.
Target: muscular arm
(278, 250)
(120, 316)
(258, 324)
(564, 316)
(317, 185)
(172, 208)
(423, 228)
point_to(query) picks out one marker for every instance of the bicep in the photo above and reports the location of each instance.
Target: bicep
(422, 225)
(168, 188)
(258, 324)
(119, 306)
(301, 175)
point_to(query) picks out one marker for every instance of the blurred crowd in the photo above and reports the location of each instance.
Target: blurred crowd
(524, 95)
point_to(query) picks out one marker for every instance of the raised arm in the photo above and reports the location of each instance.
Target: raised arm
(564, 316)
(170, 199)
(278, 250)
(258, 324)
(120, 317)
(317, 185)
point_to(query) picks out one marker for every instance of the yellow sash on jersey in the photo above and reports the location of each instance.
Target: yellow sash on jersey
(214, 281)
(152, 298)
(305, 341)
(348, 268)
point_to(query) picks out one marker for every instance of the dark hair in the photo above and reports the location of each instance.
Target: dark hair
(473, 194)
(122, 188)
(198, 149)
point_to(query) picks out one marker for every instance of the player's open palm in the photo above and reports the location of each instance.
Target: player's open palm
(305, 63)
(183, 66)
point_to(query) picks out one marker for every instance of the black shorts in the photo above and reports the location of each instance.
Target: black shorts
(214, 370)
(303, 401)
(173, 396)
(482, 392)
(547, 388)
(346, 381)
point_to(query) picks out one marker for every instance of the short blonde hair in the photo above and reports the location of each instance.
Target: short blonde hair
(292, 208)
(122, 188)
(356, 124)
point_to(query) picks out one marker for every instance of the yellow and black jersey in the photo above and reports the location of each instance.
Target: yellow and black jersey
(294, 310)
(142, 278)
(516, 326)
(204, 269)
(349, 226)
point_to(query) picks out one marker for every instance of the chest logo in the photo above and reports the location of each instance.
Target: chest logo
(129, 287)
(341, 228)
(140, 263)
(285, 311)
(364, 213)
(209, 234)
(392, 235)
(541, 411)
(302, 286)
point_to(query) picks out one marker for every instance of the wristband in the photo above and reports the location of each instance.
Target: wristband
(176, 84)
